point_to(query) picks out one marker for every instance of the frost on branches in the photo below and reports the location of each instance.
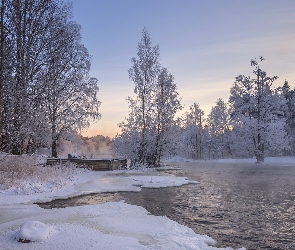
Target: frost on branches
(146, 132)
(219, 126)
(258, 115)
(192, 138)
(45, 88)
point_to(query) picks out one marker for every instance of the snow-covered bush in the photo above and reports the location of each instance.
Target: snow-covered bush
(23, 175)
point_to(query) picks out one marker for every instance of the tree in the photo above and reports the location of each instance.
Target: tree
(219, 126)
(70, 96)
(166, 105)
(25, 34)
(256, 107)
(289, 95)
(152, 111)
(192, 132)
(144, 72)
(46, 90)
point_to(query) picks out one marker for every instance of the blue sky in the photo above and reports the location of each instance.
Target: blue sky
(204, 44)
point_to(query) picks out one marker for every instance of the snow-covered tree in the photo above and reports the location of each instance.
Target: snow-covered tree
(45, 88)
(166, 105)
(219, 128)
(257, 112)
(147, 129)
(70, 96)
(24, 34)
(192, 140)
(144, 73)
(289, 95)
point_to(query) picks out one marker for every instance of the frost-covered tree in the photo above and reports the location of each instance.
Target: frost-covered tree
(70, 95)
(219, 128)
(257, 112)
(192, 140)
(24, 34)
(166, 105)
(289, 95)
(144, 73)
(45, 89)
(146, 130)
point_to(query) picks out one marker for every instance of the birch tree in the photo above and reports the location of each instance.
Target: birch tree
(70, 95)
(144, 72)
(152, 111)
(166, 105)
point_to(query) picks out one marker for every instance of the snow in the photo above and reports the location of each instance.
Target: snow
(112, 225)
(95, 182)
(268, 160)
(33, 231)
(74, 155)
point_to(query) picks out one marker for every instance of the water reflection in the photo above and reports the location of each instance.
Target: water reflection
(81, 200)
(238, 205)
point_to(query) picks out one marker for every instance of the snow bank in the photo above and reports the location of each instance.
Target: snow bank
(268, 160)
(112, 225)
(33, 231)
(95, 182)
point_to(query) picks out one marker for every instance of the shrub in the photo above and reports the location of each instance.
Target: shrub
(23, 175)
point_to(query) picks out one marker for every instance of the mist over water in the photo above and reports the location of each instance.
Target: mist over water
(236, 204)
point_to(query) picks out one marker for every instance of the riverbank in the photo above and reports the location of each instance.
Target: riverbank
(112, 225)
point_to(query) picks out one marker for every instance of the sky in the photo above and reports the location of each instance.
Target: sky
(203, 44)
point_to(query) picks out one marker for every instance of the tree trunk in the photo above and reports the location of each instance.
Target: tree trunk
(143, 142)
(54, 133)
(54, 148)
(260, 145)
(2, 54)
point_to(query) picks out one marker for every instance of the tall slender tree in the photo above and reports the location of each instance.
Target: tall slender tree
(166, 105)
(152, 111)
(144, 72)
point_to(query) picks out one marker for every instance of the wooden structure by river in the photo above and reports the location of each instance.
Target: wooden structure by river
(94, 164)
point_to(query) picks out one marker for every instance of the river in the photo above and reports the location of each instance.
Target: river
(238, 205)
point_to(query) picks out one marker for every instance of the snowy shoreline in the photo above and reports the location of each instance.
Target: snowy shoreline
(111, 225)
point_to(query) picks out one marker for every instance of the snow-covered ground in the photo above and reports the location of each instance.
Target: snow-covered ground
(112, 225)
(286, 160)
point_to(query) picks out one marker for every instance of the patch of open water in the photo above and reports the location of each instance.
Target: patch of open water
(236, 204)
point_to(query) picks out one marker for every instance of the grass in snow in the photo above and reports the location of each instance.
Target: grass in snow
(23, 175)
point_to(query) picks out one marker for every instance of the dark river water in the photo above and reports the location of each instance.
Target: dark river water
(238, 205)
